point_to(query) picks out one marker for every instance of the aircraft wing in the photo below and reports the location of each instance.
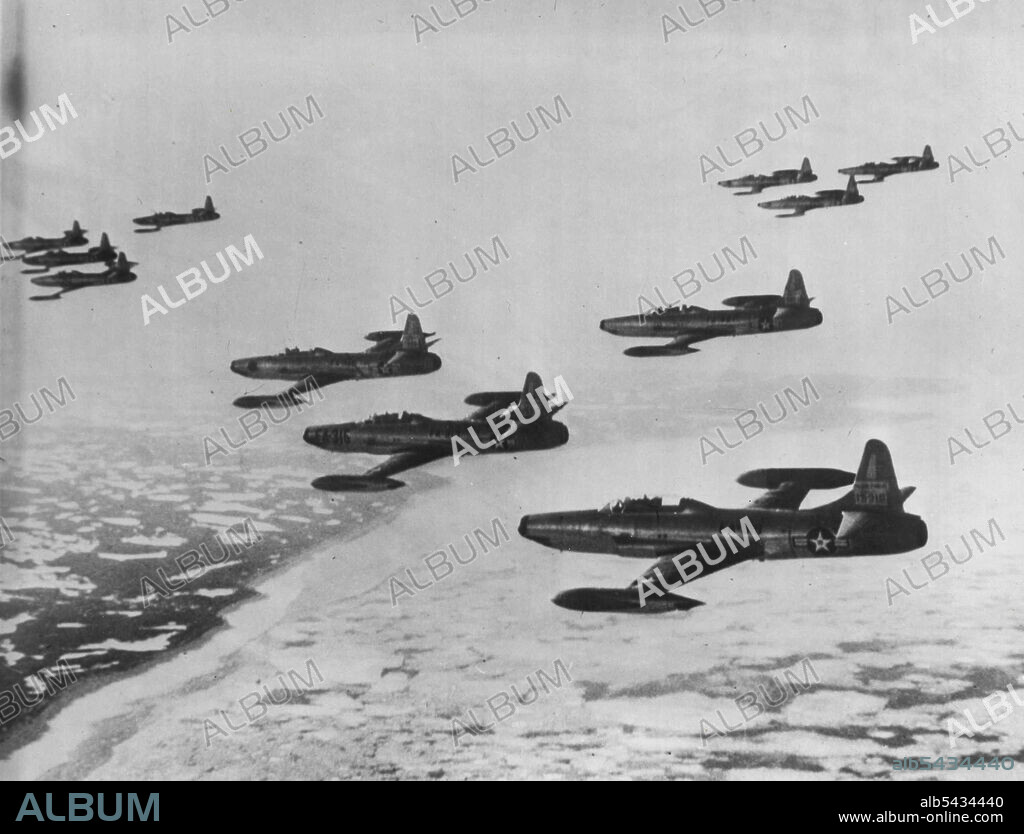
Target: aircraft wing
(292, 395)
(377, 479)
(664, 573)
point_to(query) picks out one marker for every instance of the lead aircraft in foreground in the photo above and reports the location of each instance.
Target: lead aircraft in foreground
(691, 539)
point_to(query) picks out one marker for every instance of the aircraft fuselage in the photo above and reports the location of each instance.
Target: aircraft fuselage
(72, 279)
(781, 534)
(674, 322)
(299, 365)
(35, 244)
(394, 436)
(62, 258)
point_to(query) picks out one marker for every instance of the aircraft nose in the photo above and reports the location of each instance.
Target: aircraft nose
(543, 528)
(922, 533)
(312, 435)
(435, 361)
(604, 325)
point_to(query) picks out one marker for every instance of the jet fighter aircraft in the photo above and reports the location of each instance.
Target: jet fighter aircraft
(75, 236)
(800, 203)
(869, 520)
(686, 325)
(413, 440)
(70, 279)
(899, 165)
(170, 218)
(394, 353)
(758, 182)
(104, 253)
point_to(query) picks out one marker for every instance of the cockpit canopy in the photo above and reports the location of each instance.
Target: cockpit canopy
(394, 417)
(645, 504)
(675, 309)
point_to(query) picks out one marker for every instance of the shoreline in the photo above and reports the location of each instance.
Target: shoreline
(23, 742)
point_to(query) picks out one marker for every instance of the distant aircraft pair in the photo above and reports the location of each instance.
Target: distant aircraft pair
(410, 440)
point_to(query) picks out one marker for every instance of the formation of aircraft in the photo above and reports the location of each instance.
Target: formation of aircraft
(394, 353)
(75, 236)
(104, 253)
(160, 219)
(692, 539)
(687, 325)
(70, 280)
(878, 171)
(758, 182)
(412, 440)
(802, 203)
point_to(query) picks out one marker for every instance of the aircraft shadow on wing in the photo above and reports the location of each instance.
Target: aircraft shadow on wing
(687, 325)
(394, 353)
(693, 539)
(412, 440)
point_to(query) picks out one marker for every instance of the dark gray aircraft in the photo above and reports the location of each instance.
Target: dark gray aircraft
(75, 236)
(758, 182)
(411, 440)
(104, 253)
(686, 325)
(170, 218)
(70, 279)
(394, 353)
(693, 539)
(900, 165)
(800, 203)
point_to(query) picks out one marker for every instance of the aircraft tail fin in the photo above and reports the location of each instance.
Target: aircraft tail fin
(875, 487)
(412, 336)
(805, 167)
(76, 228)
(104, 241)
(851, 187)
(536, 403)
(795, 295)
(208, 205)
(927, 155)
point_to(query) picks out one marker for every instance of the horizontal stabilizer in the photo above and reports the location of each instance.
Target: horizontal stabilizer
(384, 335)
(621, 601)
(283, 400)
(655, 350)
(389, 335)
(355, 483)
(482, 398)
(811, 478)
(749, 302)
